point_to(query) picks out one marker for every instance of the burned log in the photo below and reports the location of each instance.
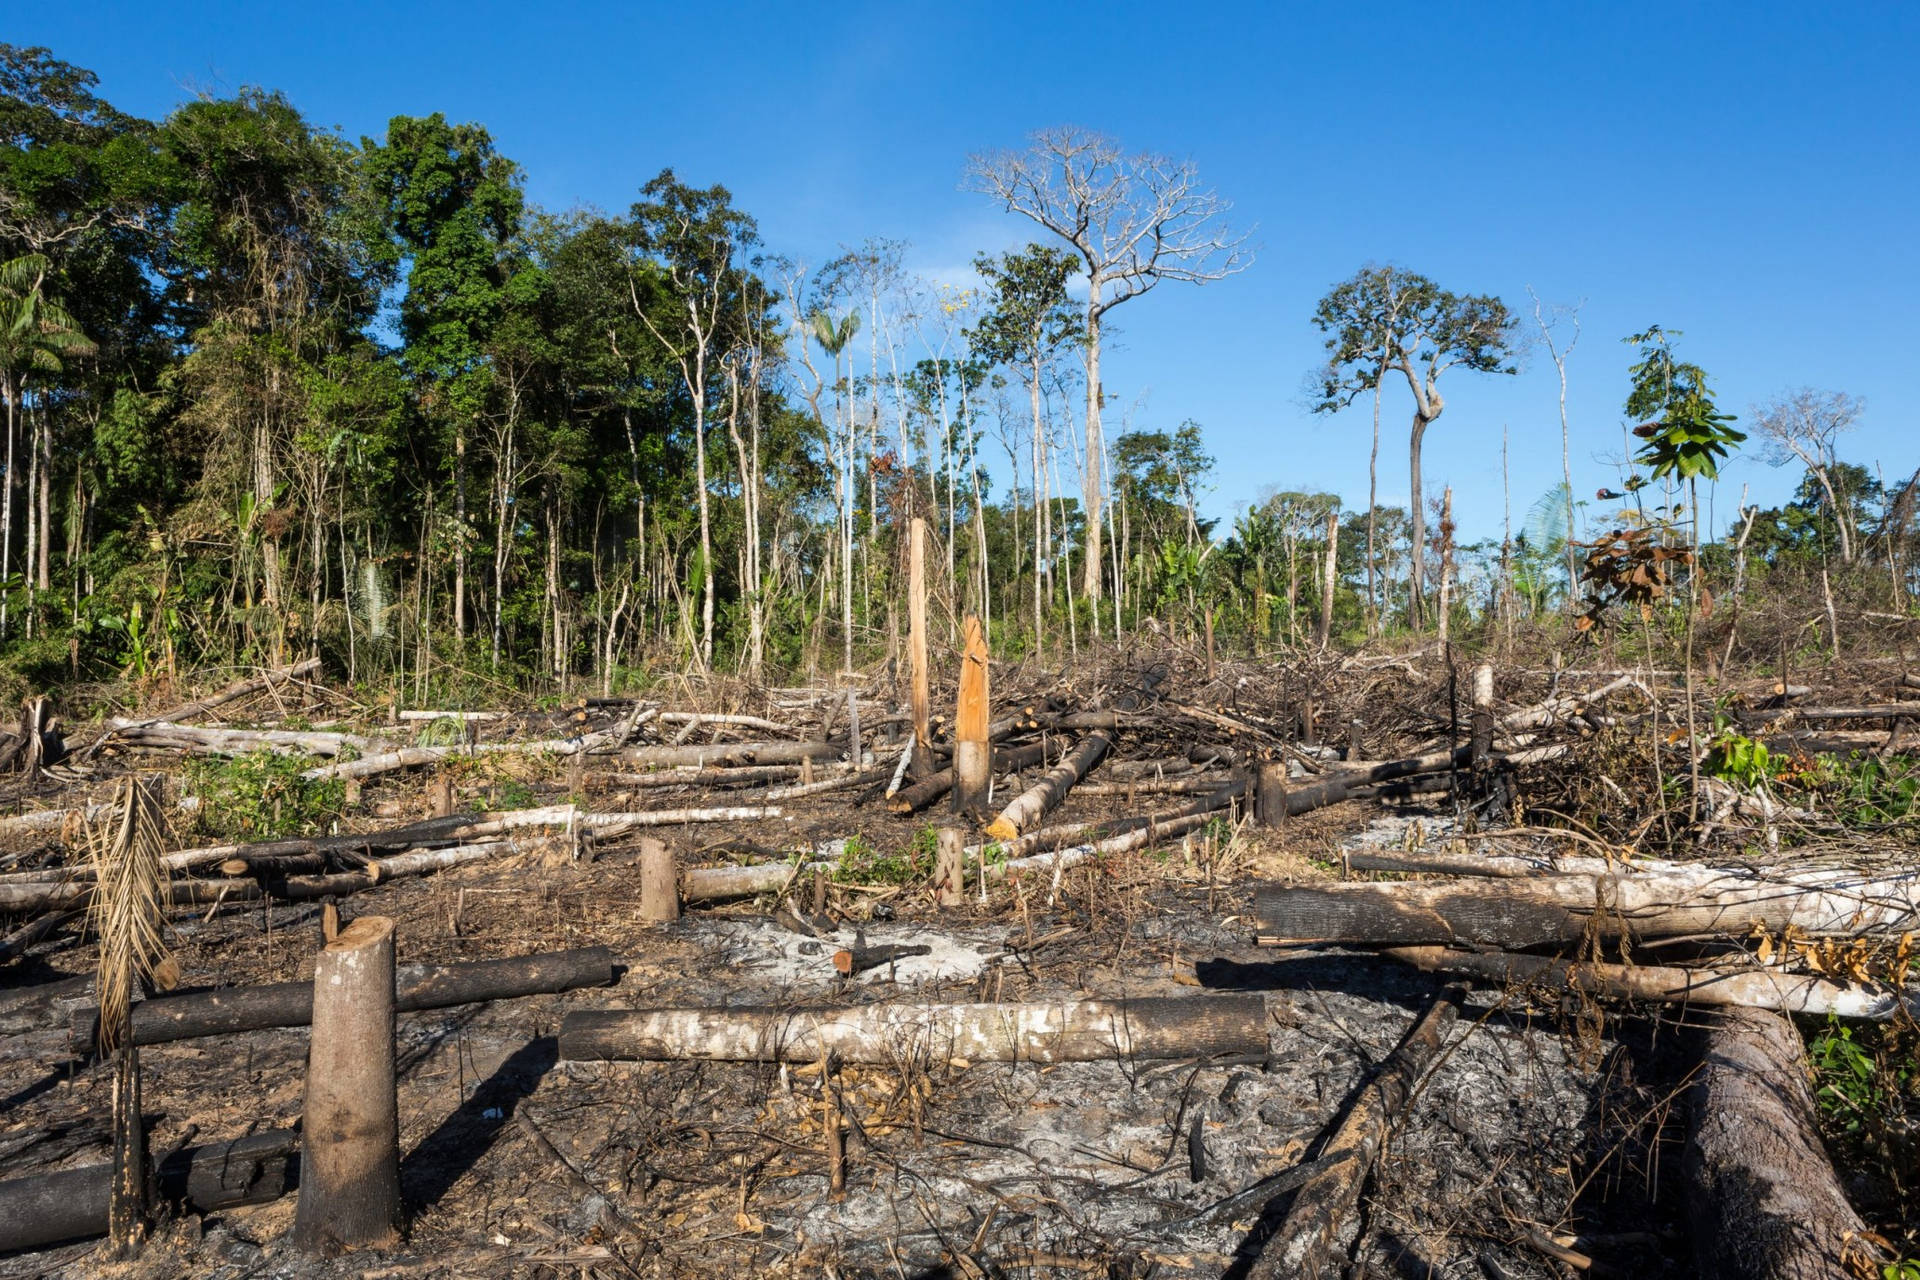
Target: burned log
(1075, 1031)
(1764, 1201)
(1305, 1243)
(913, 798)
(71, 1204)
(1744, 988)
(290, 1004)
(1043, 796)
(1562, 909)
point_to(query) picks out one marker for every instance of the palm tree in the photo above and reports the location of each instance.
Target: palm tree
(37, 337)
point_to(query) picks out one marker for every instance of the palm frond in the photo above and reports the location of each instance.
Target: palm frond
(129, 902)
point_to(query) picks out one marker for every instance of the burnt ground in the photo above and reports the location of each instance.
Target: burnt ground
(1538, 1117)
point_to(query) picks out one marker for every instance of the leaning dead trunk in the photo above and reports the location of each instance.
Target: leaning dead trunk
(1076, 1031)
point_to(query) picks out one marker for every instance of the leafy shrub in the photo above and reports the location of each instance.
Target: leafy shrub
(261, 796)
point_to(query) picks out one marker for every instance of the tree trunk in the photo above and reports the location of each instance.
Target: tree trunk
(1041, 798)
(972, 765)
(901, 1031)
(1763, 1199)
(1306, 1245)
(350, 1148)
(1417, 568)
(1329, 576)
(1091, 489)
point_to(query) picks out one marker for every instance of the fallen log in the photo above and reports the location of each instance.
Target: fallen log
(1076, 1031)
(1555, 910)
(858, 959)
(1747, 988)
(1763, 1200)
(727, 754)
(290, 1004)
(723, 718)
(165, 735)
(694, 777)
(1880, 711)
(912, 799)
(413, 757)
(71, 1204)
(711, 884)
(1043, 796)
(1304, 1245)
(1046, 838)
(239, 689)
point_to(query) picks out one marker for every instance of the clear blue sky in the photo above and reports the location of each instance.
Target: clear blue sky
(1748, 173)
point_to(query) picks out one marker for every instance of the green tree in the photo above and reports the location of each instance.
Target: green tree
(1386, 319)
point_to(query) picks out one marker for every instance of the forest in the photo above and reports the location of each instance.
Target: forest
(557, 742)
(270, 391)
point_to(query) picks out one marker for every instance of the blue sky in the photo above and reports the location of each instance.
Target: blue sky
(1745, 173)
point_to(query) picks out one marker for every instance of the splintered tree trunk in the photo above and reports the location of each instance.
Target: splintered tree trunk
(972, 765)
(350, 1156)
(901, 1031)
(1765, 1203)
(1043, 796)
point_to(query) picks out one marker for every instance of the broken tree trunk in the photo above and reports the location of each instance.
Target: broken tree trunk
(1764, 1201)
(1037, 801)
(659, 883)
(972, 766)
(1553, 910)
(1075, 1031)
(350, 1127)
(71, 1204)
(912, 799)
(290, 1004)
(1752, 988)
(1304, 1246)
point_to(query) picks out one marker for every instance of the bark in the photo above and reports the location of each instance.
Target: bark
(917, 628)
(350, 1134)
(71, 1204)
(1763, 1198)
(1753, 989)
(1075, 1031)
(1306, 1245)
(235, 742)
(1566, 909)
(659, 883)
(1045, 795)
(290, 1004)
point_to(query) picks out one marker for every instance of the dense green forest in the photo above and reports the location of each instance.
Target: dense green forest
(271, 391)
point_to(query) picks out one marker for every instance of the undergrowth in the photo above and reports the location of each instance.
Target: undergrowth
(261, 796)
(1867, 1085)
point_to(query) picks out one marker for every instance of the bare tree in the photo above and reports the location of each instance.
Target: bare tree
(1547, 324)
(1135, 220)
(1804, 425)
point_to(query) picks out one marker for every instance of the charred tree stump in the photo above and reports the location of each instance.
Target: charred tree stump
(350, 1155)
(1270, 794)
(1764, 1200)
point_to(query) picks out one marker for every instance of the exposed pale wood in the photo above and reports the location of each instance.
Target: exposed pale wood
(949, 875)
(350, 1129)
(972, 776)
(1753, 989)
(1044, 796)
(1304, 1246)
(1075, 1031)
(1763, 1200)
(235, 742)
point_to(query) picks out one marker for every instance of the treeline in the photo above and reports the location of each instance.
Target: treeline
(270, 391)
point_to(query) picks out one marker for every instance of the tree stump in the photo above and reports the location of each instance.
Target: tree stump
(949, 874)
(1270, 794)
(350, 1148)
(659, 883)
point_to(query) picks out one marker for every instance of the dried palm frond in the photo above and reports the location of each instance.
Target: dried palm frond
(129, 903)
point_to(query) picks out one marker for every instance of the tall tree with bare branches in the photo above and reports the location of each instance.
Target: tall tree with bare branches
(1802, 426)
(1135, 220)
